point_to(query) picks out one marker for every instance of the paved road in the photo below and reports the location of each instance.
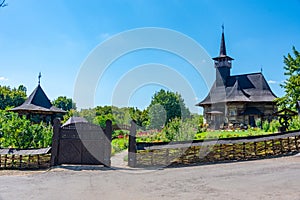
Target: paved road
(263, 179)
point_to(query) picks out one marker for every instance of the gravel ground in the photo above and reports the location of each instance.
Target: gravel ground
(277, 178)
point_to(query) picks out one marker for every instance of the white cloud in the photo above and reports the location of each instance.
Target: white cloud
(272, 82)
(3, 78)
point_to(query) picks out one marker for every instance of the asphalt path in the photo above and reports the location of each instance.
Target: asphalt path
(277, 178)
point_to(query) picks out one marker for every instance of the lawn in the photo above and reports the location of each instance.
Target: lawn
(121, 137)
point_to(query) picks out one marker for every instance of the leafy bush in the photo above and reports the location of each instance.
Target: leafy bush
(18, 132)
(258, 122)
(266, 126)
(274, 125)
(119, 144)
(101, 120)
(179, 130)
(295, 124)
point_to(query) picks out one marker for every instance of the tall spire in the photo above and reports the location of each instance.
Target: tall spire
(222, 63)
(223, 53)
(223, 47)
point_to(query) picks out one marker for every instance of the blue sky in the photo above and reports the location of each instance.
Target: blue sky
(55, 37)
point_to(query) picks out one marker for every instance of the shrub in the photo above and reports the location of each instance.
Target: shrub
(179, 130)
(295, 123)
(18, 132)
(274, 125)
(258, 123)
(266, 126)
(119, 145)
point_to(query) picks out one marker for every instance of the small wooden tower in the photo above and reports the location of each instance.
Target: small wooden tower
(222, 63)
(38, 107)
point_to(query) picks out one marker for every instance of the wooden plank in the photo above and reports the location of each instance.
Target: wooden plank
(296, 143)
(38, 161)
(55, 142)
(244, 150)
(289, 146)
(20, 161)
(167, 157)
(281, 145)
(107, 143)
(265, 147)
(5, 160)
(132, 150)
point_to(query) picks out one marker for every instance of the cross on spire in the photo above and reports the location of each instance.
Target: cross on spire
(39, 77)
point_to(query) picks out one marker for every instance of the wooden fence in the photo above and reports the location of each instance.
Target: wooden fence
(210, 151)
(25, 158)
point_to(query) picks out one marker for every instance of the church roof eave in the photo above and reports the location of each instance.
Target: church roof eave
(38, 102)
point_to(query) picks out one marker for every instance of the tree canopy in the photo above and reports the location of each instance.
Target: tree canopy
(12, 97)
(292, 83)
(64, 103)
(165, 106)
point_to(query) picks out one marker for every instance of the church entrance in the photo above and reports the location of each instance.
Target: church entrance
(252, 121)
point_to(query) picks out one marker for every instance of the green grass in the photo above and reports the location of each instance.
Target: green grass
(159, 137)
(120, 144)
(229, 134)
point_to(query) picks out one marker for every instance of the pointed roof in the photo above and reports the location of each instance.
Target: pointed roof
(240, 88)
(39, 98)
(222, 46)
(38, 102)
(223, 49)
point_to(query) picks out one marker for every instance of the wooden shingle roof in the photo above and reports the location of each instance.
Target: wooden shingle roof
(38, 102)
(240, 88)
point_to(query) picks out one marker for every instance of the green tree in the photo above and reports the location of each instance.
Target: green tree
(141, 117)
(158, 116)
(122, 115)
(101, 120)
(292, 83)
(88, 114)
(64, 103)
(12, 97)
(18, 132)
(181, 130)
(165, 106)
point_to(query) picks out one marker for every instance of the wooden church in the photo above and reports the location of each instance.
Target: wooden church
(236, 100)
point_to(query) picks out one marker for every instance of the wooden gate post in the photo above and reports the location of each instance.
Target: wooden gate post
(132, 145)
(107, 143)
(55, 142)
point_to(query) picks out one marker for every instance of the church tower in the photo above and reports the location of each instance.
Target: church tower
(222, 64)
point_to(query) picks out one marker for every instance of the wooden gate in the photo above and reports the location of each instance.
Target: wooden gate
(81, 143)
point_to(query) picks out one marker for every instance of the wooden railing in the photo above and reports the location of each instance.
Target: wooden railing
(214, 150)
(25, 158)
